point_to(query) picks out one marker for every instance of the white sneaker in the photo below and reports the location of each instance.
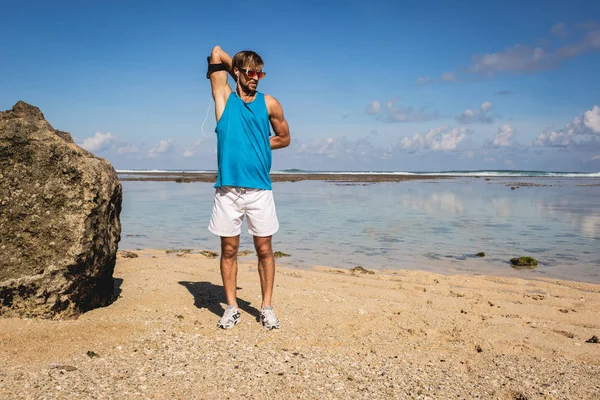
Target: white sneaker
(230, 318)
(268, 318)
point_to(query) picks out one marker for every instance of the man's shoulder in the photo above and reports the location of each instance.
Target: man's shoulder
(272, 102)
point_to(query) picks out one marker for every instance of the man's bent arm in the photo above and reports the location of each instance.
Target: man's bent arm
(278, 123)
(218, 80)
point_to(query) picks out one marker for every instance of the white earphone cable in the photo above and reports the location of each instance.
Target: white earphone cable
(205, 118)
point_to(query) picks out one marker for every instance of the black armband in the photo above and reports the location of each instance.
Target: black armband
(214, 67)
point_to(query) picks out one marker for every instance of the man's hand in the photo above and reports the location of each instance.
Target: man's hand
(218, 80)
(278, 123)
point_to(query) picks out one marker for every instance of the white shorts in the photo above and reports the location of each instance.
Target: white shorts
(232, 203)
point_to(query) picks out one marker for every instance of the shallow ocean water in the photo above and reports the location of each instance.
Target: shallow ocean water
(421, 224)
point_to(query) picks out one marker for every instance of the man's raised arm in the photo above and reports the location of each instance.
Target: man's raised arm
(218, 79)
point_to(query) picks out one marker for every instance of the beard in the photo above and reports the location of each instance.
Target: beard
(248, 87)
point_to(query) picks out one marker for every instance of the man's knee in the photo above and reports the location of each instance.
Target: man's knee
(264, 250)
(229, 251)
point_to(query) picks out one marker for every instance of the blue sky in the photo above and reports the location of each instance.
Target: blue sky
(395, 85)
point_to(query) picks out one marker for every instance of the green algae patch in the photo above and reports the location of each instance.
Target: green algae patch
(183, 251)
(279, 254)
(524, 262)
(360, 270)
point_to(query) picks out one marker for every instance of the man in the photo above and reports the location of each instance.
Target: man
(244, 143)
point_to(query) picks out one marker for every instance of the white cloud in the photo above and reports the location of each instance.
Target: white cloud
(437, 139)
(486, 105)
(521, 58)
(448, 76)
(594, 158)
(470, 116)
(98, 142)
(586, 125)
(193, 149)
(560, 30)
(445, 77)
(128, 150)
(587, 25)
(410, 114)
(503, 137)
(164, 146)
(518, 58)
(374, 108)
(423, 80)
(591, 119)
(395, 112)
(337, 148)
(560, 138)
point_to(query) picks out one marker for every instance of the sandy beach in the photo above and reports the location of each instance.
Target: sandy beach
(396, 334)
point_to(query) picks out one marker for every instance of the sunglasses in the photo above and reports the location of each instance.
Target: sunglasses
(251, 73)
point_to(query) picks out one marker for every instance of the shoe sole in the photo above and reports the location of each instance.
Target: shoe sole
(270, 327)
(224, 327)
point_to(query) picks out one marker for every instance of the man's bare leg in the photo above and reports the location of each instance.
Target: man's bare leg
(266, 267)
(229, 267)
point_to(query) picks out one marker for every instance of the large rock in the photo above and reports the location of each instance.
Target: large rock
(59, 220)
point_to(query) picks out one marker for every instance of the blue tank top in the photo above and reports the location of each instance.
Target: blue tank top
(243, 145)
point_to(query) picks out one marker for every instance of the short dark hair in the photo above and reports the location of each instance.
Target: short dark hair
(247, 58)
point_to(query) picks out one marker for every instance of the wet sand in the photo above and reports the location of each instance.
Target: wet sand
(391, 334)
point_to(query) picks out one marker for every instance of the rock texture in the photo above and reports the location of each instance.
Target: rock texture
(59, 220)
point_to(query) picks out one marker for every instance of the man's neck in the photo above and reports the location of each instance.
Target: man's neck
(246, 94)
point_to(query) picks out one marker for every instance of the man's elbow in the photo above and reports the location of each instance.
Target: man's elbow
(287, 141)
(215, 55)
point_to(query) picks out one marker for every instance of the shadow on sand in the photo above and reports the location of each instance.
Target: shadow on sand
(117, 282)
(209, 296)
